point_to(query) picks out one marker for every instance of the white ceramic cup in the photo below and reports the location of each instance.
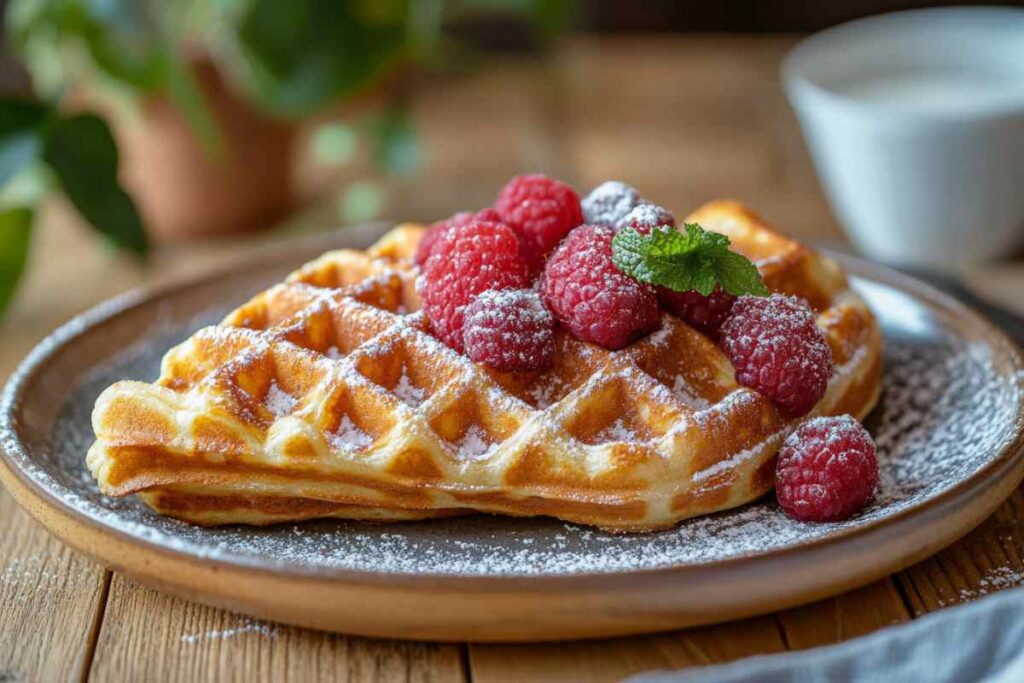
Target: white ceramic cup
(915, 123)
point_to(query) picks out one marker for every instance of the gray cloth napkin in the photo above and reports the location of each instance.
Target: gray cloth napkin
(979, 641)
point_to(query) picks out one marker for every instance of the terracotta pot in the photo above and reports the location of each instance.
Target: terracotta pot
(183, 191)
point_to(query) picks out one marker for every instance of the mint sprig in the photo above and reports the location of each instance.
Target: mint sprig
(696, 259)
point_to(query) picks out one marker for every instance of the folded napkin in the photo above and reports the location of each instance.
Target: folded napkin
(979, 641)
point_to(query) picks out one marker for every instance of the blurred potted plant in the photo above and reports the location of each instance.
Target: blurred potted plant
(203, 98)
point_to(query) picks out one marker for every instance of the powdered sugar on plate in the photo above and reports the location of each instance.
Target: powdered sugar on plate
(948, 410)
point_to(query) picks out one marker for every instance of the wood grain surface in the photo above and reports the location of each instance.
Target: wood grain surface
(191, 642)
(686, 119)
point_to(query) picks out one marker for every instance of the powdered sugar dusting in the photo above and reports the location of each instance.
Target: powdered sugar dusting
(733, 461)
(617, 431)
(660, 337)
(278, 401)
(682, 390)
(268, 631)
(996, 579)
(649, 215)
(546, 390)
(348, 436)
(608, 203)
(475, 444)
(949, 407)
(407, 392)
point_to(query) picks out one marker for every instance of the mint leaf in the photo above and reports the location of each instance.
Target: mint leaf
(692, 260)
(669, 243)
(738, 275)
(628, 250)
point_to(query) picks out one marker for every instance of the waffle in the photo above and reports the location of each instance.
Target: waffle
(325, 396)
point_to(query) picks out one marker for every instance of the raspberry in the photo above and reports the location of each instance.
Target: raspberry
(542, 211)
(467, 260)
(827, 470)
(435, 231)
(490, 215)
(643, 217)
(608, 203)
(704, 313)
(593, 298)
(510, 330)
(778, 351)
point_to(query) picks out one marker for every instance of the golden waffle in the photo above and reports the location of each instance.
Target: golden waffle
(325, 396)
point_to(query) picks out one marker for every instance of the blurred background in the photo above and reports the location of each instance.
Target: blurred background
(146, 141)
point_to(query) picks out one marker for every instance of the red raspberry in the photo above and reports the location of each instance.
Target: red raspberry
(609, 202)
(778, 351)
(593, 298)
(827, 470)
(467, 260)
(542, 210)
(643, 217)
(704, 313)
(435, 231)
(510, 330)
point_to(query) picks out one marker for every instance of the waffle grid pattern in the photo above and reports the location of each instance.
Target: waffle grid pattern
(327, 396)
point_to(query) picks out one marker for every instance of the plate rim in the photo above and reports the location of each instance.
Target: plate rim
(281, 255)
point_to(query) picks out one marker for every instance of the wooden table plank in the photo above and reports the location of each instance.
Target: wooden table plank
(51, 598)
(845, 616)
(987, 560)
(616, 658)
(50, 602)
(151, 636)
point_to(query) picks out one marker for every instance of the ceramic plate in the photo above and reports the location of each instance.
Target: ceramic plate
(948, 429)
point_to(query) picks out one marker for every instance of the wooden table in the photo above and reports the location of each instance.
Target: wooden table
(685, 119)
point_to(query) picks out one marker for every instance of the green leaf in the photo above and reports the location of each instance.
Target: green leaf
(17, 114)
(123, 41)
(302, 54)
(629, 250)
(667, 249)
(693, 259)
(15, 230)
(738, 275)
(552, 15)
(82, 153)
(21, 123)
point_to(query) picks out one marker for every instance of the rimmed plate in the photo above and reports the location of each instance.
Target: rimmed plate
(950, 431)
